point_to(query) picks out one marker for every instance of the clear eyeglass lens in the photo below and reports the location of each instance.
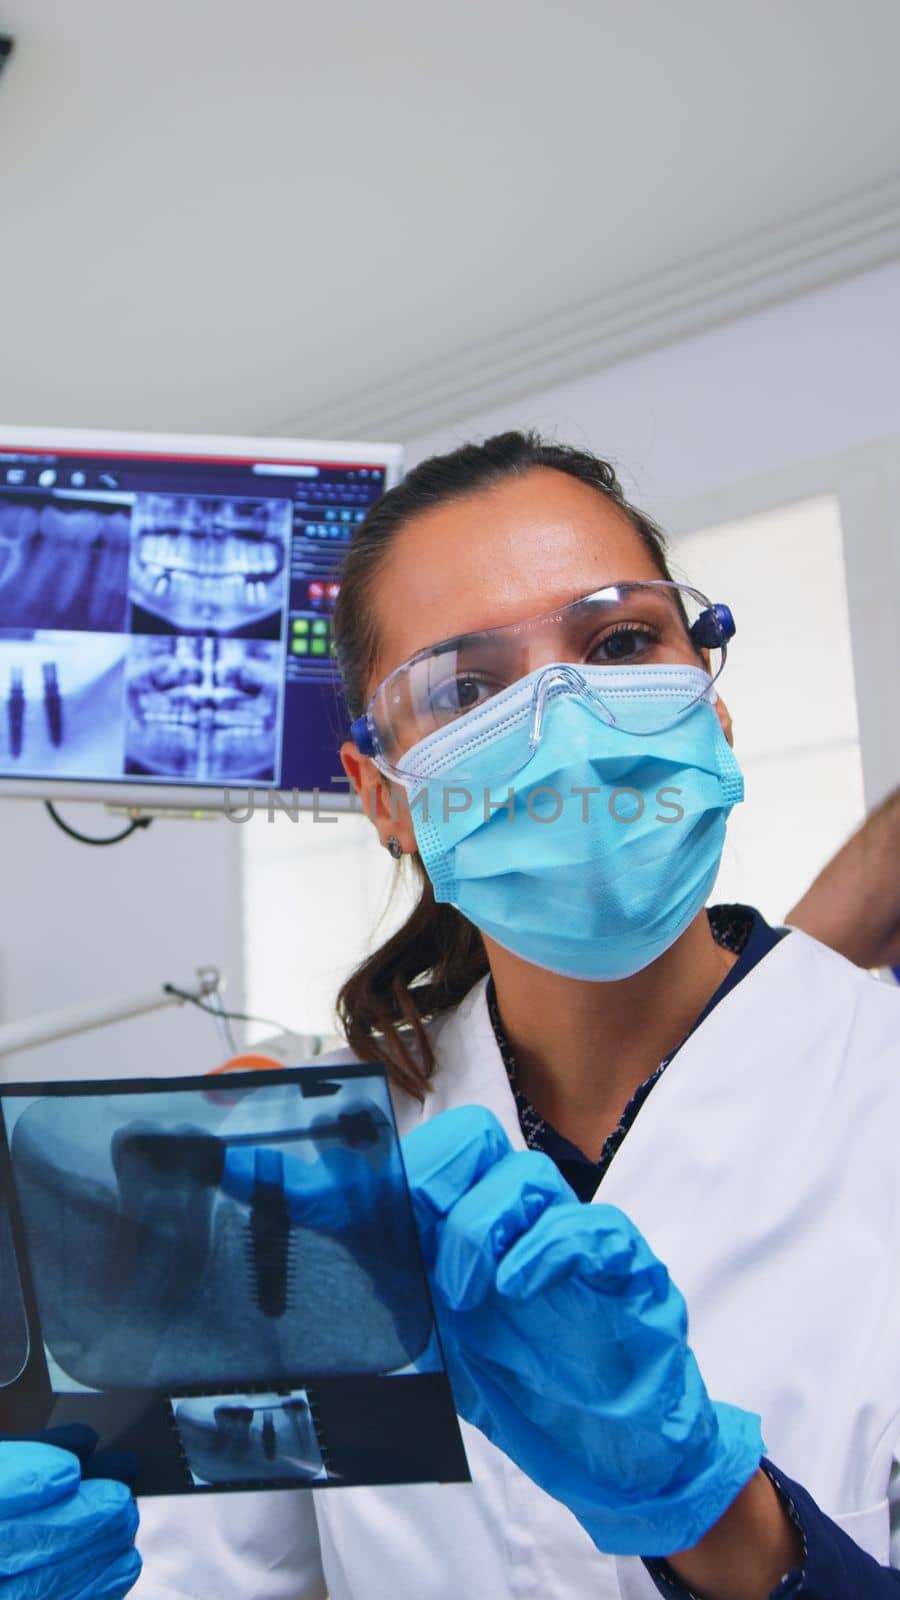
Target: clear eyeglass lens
(625, 625)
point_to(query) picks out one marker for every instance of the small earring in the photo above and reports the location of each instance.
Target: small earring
(394, 847)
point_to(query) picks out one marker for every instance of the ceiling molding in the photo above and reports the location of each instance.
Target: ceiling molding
(813, 250)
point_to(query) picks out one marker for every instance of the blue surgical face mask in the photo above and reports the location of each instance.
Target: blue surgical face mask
(601, 849)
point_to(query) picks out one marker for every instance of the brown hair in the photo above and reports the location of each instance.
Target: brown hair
(429, 964)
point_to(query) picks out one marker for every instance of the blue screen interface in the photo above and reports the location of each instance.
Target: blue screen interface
(168, 620)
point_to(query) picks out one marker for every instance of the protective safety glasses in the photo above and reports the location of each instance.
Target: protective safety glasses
(654, 624)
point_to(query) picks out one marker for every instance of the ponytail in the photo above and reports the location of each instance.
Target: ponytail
(426, 967)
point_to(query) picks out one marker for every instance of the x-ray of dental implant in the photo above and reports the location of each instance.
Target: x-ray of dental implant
(174, 1243)
(202, 709)
(277, 1195)
(16, 706)
(203, 564)
(61, 702)
(64, 562)
(250, 1438)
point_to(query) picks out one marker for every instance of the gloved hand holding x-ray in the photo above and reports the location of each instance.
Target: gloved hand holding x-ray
(566, 1342)
(223, 1279)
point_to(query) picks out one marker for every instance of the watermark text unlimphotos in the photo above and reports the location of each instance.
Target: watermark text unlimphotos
(543, 804)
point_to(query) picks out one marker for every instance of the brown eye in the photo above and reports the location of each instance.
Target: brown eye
(467, 693)
(626, 643)
(461, 693)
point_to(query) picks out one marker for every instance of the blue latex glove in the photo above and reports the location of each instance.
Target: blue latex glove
(61, 1539)
(81, 1441)
(566, 1342)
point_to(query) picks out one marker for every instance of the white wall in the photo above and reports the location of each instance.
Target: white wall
(815, 376)
(318, 898)
(87, 927)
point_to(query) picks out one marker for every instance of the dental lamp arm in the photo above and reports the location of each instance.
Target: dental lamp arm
(67, 1023)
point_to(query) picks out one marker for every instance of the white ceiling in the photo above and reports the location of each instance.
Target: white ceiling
(266, 217)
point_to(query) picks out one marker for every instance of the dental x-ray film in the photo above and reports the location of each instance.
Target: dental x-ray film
(221, 1278)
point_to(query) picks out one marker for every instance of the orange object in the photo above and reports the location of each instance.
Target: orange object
(249, 1063)
(246, 1063)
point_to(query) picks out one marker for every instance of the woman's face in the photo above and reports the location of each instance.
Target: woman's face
(520, 548)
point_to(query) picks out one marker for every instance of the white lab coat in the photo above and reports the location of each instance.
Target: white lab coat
(763, 1170)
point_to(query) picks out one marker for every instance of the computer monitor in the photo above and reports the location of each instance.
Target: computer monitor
(165, 613)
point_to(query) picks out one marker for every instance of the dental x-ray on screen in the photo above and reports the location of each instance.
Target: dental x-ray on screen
(165, 613)
(222, 1280)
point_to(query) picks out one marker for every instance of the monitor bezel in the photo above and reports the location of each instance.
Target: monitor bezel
(164, 797)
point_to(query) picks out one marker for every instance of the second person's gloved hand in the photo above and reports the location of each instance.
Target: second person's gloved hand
(566, 1342)
(61, 1539)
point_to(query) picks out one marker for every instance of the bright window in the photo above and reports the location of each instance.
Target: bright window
(788, 683)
